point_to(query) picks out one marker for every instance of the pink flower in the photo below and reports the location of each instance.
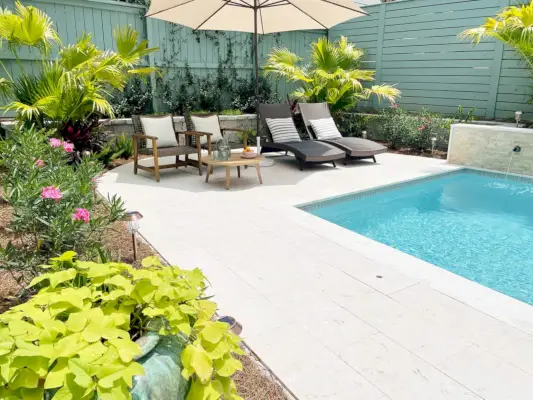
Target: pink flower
(421, 128)
(39, 163)
(395, 106)
(69, 147)
(51, 192)
(81, 214)
(55, 142)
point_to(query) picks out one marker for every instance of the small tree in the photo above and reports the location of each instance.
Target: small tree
(333, 76)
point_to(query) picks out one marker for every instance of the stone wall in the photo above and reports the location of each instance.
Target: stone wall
(245, 121)
(491, 147)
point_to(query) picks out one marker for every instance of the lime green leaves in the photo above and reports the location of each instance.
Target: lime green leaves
(75, 335)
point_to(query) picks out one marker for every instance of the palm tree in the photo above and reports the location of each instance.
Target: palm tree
(75, 86)
(333, 76)
(513, 26)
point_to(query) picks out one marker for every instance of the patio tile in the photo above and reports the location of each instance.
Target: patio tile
(485, 331)
(400, 374)
(421, 336)
(487, 375)
(309, 369)
(332, 325)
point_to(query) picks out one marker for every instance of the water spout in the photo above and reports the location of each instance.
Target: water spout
(517, 149)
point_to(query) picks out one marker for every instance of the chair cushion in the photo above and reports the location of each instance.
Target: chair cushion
(208, 125)
(283, 130)
(325, 129)
(162, 128)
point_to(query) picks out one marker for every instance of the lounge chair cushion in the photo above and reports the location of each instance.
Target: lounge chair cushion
(283, 130)
(208, 125)
(162, 128)
(325, 129)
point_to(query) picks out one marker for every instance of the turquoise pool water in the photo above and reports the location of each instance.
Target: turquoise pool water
(476, 225)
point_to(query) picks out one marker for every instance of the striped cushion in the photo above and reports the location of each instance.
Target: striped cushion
(283, 130)
(325, 129)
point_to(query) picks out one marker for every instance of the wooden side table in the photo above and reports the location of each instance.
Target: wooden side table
(236, 160)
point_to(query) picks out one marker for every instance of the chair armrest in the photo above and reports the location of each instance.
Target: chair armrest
(139, 136)
(195, 133)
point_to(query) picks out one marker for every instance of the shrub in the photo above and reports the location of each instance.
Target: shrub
(415, 131)
(54, 201)
(75, 337)
(136, 99)
(124, 144)
(351, 124)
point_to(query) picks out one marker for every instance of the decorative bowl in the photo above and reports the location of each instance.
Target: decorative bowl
(249, 154)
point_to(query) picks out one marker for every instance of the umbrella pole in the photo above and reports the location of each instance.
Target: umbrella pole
(256, 55)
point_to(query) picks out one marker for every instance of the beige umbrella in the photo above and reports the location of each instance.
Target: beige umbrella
(255, 16)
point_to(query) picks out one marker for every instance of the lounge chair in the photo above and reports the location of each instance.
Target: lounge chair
(305, 151)
(355, 148)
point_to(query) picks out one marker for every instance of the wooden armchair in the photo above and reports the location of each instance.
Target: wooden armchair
(140, 139)
(225, 131)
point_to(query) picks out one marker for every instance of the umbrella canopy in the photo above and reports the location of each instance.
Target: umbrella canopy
(272, 15)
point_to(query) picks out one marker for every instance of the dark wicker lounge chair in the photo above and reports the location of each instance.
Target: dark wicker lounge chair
(306, 151)
(355, 148)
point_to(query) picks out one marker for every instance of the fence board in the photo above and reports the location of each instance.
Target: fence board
(421, 54)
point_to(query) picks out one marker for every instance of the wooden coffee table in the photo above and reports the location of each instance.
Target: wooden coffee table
(236, 160)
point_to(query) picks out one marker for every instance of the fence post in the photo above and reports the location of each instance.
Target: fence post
(496, 69)
(151, 62)
(379, 52)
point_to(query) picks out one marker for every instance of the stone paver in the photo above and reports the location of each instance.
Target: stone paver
(308, 293)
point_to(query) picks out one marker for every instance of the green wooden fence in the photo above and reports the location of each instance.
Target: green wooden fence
(179, 45)
(414, 44)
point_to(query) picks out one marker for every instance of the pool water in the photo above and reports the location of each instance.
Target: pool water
(474, 224)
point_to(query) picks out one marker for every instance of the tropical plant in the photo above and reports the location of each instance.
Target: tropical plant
(54, 203)
(124, 144)
(74, 87)
(351, 124)
(333, 75)
(514, 27)
(75, 338)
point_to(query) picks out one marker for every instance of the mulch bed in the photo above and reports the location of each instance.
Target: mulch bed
(407, 151)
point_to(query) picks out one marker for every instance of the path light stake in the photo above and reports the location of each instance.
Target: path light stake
(234, 325)
(433, 144)
(518, 117)
(133, 218)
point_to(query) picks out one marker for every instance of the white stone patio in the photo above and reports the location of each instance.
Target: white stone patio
(307, 291)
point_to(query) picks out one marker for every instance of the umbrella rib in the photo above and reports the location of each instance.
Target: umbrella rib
(262, 26)
(310, 16)
(212, 15)
(348, 8)
(166, 9)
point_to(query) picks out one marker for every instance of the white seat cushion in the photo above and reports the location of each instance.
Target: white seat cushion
(325, 129)
(283, 130)
(162, 128)
(207, 125)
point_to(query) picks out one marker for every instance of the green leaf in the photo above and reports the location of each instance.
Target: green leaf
(127, 349)
(144, 291)
(66, 256)
(227, 366)
(200, 391)
(39, 279)
(56, 377)
(25, 378)
(19, 328)
(32, 394)
(83, 372)
(92, 352)
(196, 359)
(152, 261)
(214, 331)
(59, 277)
(76, 322)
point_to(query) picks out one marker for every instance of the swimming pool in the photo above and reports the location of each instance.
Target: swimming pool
(475, 224)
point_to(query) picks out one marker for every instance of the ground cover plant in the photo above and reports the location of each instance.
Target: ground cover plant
(75, 337)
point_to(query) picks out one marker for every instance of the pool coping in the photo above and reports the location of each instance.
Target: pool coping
(489, 301)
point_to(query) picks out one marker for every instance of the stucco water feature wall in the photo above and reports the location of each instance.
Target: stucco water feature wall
(491, 147)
